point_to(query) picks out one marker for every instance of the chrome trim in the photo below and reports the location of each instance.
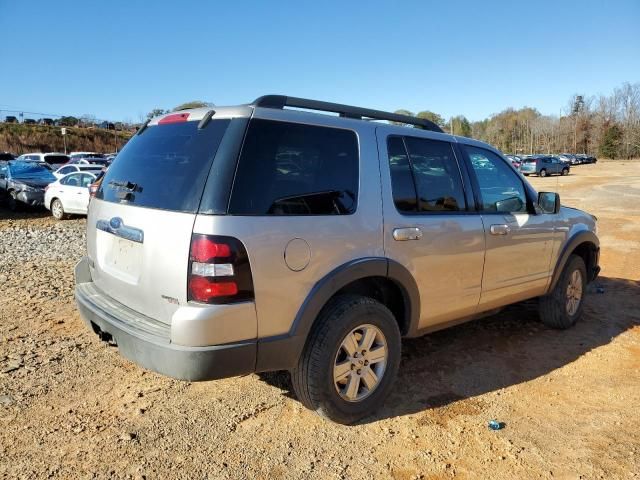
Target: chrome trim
(116, 227)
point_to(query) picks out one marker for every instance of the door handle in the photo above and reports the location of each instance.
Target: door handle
(409, 233)
(499, 229)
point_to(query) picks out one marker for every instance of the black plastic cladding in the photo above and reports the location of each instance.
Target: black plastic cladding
(242, 270)
(347, 111)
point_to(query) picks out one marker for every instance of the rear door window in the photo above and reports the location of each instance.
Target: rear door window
(295, 169)
(427, 170)
(164, 167)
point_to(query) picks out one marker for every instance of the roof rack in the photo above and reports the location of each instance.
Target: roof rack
(347, 111)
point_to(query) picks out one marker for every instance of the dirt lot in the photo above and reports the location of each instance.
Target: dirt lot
(71, 407)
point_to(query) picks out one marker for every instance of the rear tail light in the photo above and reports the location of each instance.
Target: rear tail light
(219, 270)
(93, 189)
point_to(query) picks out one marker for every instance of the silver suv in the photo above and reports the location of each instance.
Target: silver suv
(270, 236)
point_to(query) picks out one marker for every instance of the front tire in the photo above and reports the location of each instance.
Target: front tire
(565, 172)
(350, 360)
(562, 307)
(543, 173)
(57, 210)
(12, 201)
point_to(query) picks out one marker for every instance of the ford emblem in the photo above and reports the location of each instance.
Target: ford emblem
(115, 222)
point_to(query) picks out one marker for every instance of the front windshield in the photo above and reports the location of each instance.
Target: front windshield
(30, 170)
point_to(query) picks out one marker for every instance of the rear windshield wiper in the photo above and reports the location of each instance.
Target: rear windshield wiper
(123, 184)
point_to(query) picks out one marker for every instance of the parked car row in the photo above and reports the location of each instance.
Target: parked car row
(545, 165)
(61, 183)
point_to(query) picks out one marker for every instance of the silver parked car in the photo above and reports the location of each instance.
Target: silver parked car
(260, 237)
(544, 166)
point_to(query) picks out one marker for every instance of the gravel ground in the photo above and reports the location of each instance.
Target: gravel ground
(71, 407)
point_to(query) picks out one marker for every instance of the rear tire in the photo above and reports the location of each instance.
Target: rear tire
(57, 210)
(562, 307)
(543, 173)
(346, 387)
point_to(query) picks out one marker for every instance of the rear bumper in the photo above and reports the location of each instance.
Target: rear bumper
(144, 342)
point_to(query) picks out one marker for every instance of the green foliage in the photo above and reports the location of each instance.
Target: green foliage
(460, 126)
(434, 117)
(611, 140)
(68, 121)
(402, 111)
(192, 104)
(156, 112)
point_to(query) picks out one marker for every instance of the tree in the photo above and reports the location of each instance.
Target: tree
(68, 121)
(156, 112)
(434, 117)
(192, 104)
(402, 111)
(460, 126)
(610, 146)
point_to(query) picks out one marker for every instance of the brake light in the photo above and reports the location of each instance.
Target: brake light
(204, 290)
(219, 270)
(93, 189)
(174, 118)
(204, 249)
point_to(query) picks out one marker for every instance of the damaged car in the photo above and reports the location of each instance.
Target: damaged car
(23, 183)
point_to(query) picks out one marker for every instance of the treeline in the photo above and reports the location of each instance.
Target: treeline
(605, 125)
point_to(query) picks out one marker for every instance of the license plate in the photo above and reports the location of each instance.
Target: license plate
(124, 259)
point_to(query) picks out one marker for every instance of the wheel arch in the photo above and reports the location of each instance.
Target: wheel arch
(377, 277)
(585, 244)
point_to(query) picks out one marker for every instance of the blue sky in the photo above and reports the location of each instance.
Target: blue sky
(119, 59)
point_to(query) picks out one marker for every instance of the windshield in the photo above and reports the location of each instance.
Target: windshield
(27, 170)
(164, 167)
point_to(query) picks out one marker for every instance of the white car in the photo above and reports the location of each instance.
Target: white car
(67, 169)
(69, 194)
(48, 158)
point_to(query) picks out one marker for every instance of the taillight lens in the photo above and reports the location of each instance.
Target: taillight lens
(219, 270)
(174, 118)
(93, 189)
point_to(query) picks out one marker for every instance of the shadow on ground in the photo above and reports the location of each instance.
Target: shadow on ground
(499, 351)
(24, 212)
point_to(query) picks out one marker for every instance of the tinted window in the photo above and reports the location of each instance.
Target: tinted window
(402, 185)
(65, 170)
(164, 167)
(53, 159)
(6, 156)
(437, 175)
(294, 169)
(501, 188)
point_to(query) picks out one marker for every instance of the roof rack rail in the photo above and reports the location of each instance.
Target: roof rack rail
(347, 111)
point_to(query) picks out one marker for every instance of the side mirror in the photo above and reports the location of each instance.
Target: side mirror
(549, 202)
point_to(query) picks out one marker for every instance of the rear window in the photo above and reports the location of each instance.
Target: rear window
(165, 167)
(295, 169)
(55, 159)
